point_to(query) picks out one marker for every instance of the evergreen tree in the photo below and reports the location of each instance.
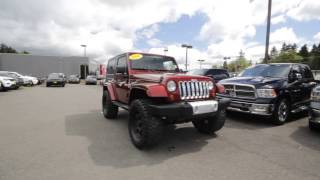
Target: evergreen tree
(304, 53)
(274, 53)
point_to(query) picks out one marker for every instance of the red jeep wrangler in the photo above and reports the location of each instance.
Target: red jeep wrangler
(155, 93)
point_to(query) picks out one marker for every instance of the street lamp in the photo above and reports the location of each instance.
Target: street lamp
(84, 49)
(187, 47)
(200, 62)
(266, 55)
(165, 50)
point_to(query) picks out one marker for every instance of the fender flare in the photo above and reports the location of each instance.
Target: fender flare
(152, 90)
(108, 87)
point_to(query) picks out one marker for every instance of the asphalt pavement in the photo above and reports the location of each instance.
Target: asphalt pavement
(60, 133)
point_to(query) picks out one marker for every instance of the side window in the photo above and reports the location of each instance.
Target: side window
(111, 66)
(306, 72)
(295, 69)
(122, 63)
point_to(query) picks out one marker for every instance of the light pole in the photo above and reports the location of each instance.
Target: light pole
(266, 55)
(200, 62)
(187, 47)
(165, 50)
(84, 49)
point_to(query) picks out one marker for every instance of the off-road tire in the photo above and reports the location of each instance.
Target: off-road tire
(210, 124)
(144, 129)
(110, 110)
(281, 112)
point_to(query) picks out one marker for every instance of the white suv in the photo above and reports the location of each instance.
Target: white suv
(7, 83)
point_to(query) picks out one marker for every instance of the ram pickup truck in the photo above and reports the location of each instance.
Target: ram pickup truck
(155, 92)
(274, 90)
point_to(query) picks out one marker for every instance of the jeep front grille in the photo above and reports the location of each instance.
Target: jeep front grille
(194, 89)
(240, 91)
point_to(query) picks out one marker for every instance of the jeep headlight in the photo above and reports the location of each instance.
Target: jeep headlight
(171, 86)
(210, 85)
(266, 93)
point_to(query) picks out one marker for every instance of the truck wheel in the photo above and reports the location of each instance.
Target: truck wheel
(211, 124)
(144, 129)
(312, 126)
(281, 113)
(110, 110)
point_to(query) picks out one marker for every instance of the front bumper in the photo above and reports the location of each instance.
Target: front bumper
(314, 113)
(187, 111)
(251, 108)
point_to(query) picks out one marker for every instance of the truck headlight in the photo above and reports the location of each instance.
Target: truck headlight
(210, 85)
(266, 93)
(315, 95)
(171, 86)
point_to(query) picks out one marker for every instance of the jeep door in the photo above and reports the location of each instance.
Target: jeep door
(122, 79)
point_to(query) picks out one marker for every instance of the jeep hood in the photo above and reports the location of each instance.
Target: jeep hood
(256, 81)
(157, 78)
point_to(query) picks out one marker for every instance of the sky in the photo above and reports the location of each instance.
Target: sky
(215, 28)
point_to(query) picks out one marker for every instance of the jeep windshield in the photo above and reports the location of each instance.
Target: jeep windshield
(154, 63)
(267, 70)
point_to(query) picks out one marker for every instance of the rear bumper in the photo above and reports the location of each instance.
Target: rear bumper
(186, 111)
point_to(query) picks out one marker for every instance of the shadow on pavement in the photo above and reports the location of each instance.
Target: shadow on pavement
(253, 122)
(110, 143)
(307, 138)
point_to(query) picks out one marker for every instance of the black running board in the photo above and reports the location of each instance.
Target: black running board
(122, 105)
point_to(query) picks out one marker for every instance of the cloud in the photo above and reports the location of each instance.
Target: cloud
(284, 34)
(154, 42)
(305, 11)
(278, 19)
(317, 36)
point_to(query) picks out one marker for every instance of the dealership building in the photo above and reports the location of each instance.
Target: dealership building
(41, 66)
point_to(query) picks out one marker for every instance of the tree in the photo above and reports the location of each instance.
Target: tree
(274, 53)
(225, 65)
(7, 49)
(314, 50)
(304, 52)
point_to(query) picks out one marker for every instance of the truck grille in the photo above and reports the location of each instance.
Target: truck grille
(240, 91)
(194, 89)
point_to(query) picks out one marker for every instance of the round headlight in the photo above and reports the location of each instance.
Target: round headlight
(171, 86)
(210, 85)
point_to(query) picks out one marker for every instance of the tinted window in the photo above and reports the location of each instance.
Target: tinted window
(154, 62)
(267, 70)
(122, 62)
(54, 76)
(218, 72)
(111, 66)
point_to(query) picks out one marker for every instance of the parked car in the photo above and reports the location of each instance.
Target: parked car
(156, 94)
(34, 80)
(91, 80)
(274, 90)
(19, 81)
(314, 114)
(27, 81)
(216, 74)
(56, 79)
(74, 79)
(7, 83)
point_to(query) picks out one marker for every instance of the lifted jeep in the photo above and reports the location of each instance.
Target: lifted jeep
(155, 93)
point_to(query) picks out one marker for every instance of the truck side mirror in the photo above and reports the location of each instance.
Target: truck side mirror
(295, 76)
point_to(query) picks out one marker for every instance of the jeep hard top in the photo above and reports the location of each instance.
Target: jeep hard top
(155, 93)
